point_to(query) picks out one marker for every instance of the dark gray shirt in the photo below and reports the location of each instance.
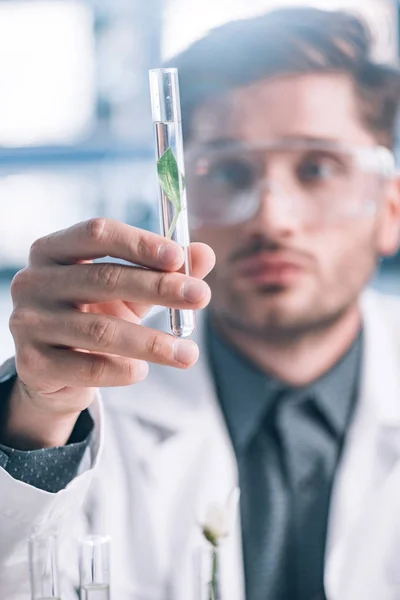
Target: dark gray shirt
(48, 469)
(284, 438)
(246, 393)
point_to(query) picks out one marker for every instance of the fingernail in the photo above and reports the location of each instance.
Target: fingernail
(194, 291)
(170, 254)
(185, 352)
(143, 370)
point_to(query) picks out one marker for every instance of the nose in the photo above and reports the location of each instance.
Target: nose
(276, 215)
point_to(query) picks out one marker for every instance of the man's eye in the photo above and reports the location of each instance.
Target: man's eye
(235, 174)
(318, 169)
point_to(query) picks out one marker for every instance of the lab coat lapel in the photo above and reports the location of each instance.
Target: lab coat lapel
(203, 449)
(372, 448)
(172, 407)
(185, 453)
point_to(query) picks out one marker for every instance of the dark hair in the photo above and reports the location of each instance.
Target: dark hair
(285, 42)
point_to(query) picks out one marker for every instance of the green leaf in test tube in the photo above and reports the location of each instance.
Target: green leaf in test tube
(169, 176)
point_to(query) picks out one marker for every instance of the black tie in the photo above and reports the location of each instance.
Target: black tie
(286, 473)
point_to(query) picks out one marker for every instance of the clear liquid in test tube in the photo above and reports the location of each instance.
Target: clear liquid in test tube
(43, 566)
(166, 111)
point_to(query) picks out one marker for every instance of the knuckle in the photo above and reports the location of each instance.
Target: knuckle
(96, 368)
(27, 283)
(96, 228)
(163, 285)
(29, 362)
(143, 248)
(24, 319)
(129, 371)
(107, 275)
(36, 248)
(103, 332)
(156, 346)
(19, 284)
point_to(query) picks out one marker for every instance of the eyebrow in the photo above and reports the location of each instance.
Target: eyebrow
(220, 143)
(313, 139)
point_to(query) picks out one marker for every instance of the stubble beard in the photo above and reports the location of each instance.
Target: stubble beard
(273, 324)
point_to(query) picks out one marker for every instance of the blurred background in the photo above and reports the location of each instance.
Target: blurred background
(76, 137)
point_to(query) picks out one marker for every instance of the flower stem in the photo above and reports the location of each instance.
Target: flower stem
(214, 576)
(173, 225)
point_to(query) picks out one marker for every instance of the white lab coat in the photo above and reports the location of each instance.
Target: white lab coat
(160, 455)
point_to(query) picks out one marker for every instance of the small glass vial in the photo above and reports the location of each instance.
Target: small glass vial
(95, 568)
(43, 563)
(207, 572)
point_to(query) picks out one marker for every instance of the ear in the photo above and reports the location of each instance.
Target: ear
(389, 223)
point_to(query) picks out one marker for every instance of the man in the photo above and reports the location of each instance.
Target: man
(289, 128)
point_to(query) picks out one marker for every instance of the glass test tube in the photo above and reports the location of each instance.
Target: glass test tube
(95, 568)
(43, 562)
(206, 569)
(166, 110)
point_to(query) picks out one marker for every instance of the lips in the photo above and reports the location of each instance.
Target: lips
(269, 269)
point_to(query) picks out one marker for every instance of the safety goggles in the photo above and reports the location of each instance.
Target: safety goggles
(317, 182)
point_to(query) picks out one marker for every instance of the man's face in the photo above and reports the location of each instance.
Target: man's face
(278, 274)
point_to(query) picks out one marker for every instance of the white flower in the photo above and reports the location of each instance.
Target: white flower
(217, 521)
(220, 519)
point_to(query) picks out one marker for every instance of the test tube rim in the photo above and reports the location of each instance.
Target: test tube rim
(171, 70)
(95, 539)
(42, 537)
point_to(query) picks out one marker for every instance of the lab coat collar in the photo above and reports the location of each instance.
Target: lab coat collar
(380, 379)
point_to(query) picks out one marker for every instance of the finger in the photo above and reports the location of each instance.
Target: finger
(103, 237)
(55, 368)
(105, 334)
(202, 262)
(202, 259)
(108, 282)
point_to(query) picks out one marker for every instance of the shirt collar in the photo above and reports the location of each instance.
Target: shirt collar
(336, 391)
(247, 394)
